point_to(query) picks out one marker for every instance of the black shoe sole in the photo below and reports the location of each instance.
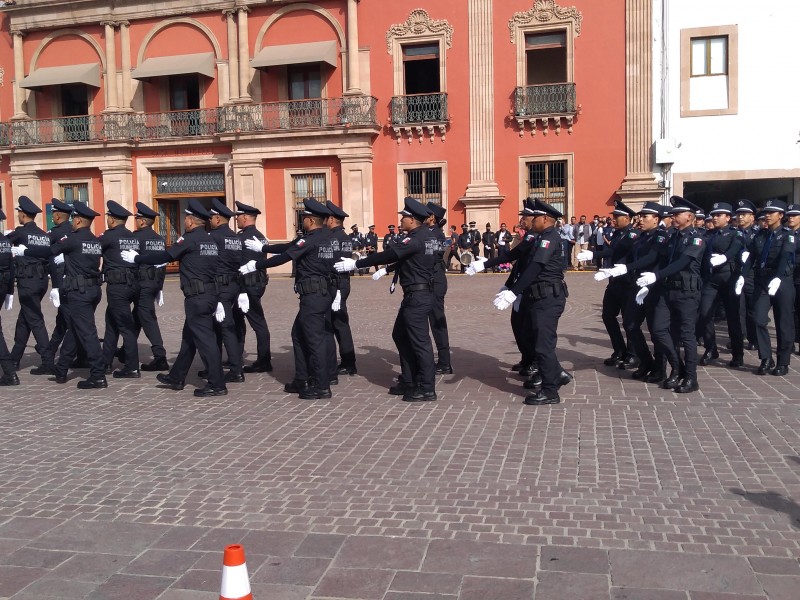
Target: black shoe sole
(541, 402)
(203, 393)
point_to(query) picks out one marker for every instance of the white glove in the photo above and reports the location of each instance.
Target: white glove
(129, 256)
(378, 274)
(55, 298)
(249, 267)
(219, 314)
(618, 270)
(8, 232)
(718, 259)
(745, 256)
(9, 303)
(337, 302)
(476, 266)
(59, 259)
(345, 265)
(641, 295)
(739, 286)
(602, 274)
(19, 250)
(161, 266)
(646, 279)
(243, 301)
(160, 298)
(504, 299)
(773, 286)
(254, 244)
(585, 255)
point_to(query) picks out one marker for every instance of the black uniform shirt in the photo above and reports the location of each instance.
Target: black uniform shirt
(683, 253)
(465, 240)
(230, 247)
(444, 244)
(6, 265)
(29, 235)
(55, 234)
(149, 240)
(727, 241)
(621, 246)
(113, 242)
(371, 239)
(772, 252)
(248, 233)
(342, 246)
(545, 261)
(417, 253)
(82, 253)
(388, 240)
(646, 251)
(199, 256)
(488, 239)
(313, 255)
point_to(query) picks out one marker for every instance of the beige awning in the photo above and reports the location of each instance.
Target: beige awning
(295, 54)
(182, 64)
(88, 74)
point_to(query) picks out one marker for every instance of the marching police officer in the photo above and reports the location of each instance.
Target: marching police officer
(151, 286)
(254, 285)
(312, 331)
(746, 224)
(438, 320)
(343, 248)
(31, 274)
(230, 294)
(122, 290)
(771, 258)
(679, 269)
(416, 254)
(793, 223)
(198, 254)
(80, 294)
(9, 376)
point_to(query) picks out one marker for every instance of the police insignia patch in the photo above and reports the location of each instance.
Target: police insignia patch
(697, 242)
(301, 242)
(791, 239)
(544, 244)
(406, 240)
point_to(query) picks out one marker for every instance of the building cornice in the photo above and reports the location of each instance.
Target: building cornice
(419, 23)
(545, 12)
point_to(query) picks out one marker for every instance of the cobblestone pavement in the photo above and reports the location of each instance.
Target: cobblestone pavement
(624, 491)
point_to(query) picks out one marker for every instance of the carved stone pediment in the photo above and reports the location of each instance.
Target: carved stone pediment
(419, 23)
(545, 12)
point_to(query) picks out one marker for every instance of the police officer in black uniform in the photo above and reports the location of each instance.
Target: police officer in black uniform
(679, 269)
(389, 238)
(254, 285)
(489, 240)
(371, 240)
(772, 260)
(343, 248)
(793, 223)
(9, 376)
(80, 293)
(198, 254)
(720, 262)
(312, 331)
(31, 273)
(438, 320)
(231, 296)
(151, 287)
(416, 254)
(746, 224)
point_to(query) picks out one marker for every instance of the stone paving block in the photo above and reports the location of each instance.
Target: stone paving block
(172, 594)
(27, 527)
(480, 588)
(639, 594)
(675, 571)
(552, 585)
(33, 557)
(8, 546)
(200, 580)
(180, 538)
(364, 584)
(13, 579)
(780, 587)
(322, 545)
(272, 543)
(215, 540)
(94, 536)
(430, 583)
(417, 596)
(131, 587)
(267, 591)
(299, 571)
(165, 563)
(718, 596)
(775, 566)
(576, 560)
(478, 558)
(56, 589)
(381, 553)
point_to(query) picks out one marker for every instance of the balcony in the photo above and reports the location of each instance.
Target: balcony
(545, 105)
(183, 124)
(416, 113)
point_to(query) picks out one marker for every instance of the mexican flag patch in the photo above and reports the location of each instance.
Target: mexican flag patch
(697, 242)
(544, 244)
(791, 239)
(301, 242)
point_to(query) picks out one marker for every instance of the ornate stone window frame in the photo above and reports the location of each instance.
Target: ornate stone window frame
(288, 201)
(569, 158)
(401, 179)
(732, 33)
(57, 183)
(419, 28)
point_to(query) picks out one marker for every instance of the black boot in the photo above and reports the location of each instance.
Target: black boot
(260, 366)
(564, 378)
(417, 395)
(613, 359)
(346, 369)
(765, 367)
(628, 362)
(43, 369)
(9, 377)
(736, 362)
(93, 383)
(234, 377)
(542, 397)
(643, 370)
(709, 355)
(126, 374)
(157, 364)
(780, 371)
(296, 386)
(170, 383)
(400, 389)
(210, 391)
(673, 381)
(315, 393)
(689, 384)
(533, 382)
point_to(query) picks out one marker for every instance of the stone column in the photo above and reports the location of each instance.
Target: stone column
(233, 55)
(357, 194)
(118, 183)
(353, 81)
(639, 185)
(125, 42)
(19, 74)
(244, 55)
(482, 192)
(26, 183)
(248, 187)
(111, 66)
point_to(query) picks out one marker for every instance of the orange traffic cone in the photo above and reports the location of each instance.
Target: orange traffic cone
(235, 582)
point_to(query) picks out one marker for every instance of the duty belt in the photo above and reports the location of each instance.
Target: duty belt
(254, 278)
(313, 285)
(150, 274)
(120, 276)
(685, 283)
(417, 287)
(79, 283)
(546, 289)
(30, 270)
(195, 287)
(226, 278)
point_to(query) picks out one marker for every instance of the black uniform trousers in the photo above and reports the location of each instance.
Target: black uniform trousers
(783, 312)
(119, 322)
(255, 316)
(438, 320)
(648, 307)
(543, 315)
(313, 340)
(683, 307)
(659, 322)
(797, 310)
(199, 337)
(6, 364)
(523, 326)
(746, 311)
(615, 302)
(144, 315)
(341, 326)
(413, 341)
(720, 288)
(30, 291)
(79, 306)
(227, 331)
(633, 315)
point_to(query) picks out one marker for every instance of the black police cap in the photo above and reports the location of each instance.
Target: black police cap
(142, 210)
(543, 208)
(651, 208)
(59, 206)
(26, 205)
(680, 205)
(437, 210)
(195, 209)
(414, 208)
(774, 205)
(315, 208)
(246, 209)
(220, 208)
(793, 210)
(622, 210)
(116, 210)
(391, 227)
(528, 208)
(335, 210)
(745, 206)
(721, 208)
(80, 209)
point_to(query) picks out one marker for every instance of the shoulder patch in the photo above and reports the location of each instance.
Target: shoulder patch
(62, 239)
(697, 241)
(791, 239)
(406, 240)
(544, 244)
(633, 235)
(660, 239)
(179, 240)
(301, 242)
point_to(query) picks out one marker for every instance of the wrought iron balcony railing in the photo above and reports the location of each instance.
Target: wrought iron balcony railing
(545, 99)
(419, 108)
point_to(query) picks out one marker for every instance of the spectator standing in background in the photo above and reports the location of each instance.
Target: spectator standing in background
(582, 233)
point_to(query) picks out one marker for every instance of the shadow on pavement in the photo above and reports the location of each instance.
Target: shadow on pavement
(773, 501)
